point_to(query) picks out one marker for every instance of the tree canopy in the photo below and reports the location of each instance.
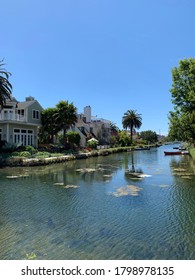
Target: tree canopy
(149, 136)
(183, 85)
(66, 115)
(182, 119)
(59, 118)
(5, 85)
(49, 124)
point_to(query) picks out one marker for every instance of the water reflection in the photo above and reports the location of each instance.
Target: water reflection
(183, 167)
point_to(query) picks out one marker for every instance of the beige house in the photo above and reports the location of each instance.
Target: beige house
(92, 127)
(19, 122)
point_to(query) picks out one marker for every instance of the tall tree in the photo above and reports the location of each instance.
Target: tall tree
(5, 85)
(131, 120)
(66, 116)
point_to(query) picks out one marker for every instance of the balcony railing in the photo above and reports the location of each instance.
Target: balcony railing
(12, 117)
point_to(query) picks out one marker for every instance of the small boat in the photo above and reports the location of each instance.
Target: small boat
(176, 153)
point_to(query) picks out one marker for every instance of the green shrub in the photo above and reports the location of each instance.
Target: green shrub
(73, 138)
(24, 154)
(56, 154)
(92, 143)
(15, 154)
(31, 150)
(42, 155)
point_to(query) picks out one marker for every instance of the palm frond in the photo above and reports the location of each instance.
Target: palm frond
(5, 85)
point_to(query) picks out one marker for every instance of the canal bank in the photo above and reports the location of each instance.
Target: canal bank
(23, 161)
(192, 152)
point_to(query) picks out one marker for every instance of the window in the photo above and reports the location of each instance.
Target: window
(24, 136)
(35, 114)
(20, 112)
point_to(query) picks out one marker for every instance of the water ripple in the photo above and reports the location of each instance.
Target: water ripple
(39, 216)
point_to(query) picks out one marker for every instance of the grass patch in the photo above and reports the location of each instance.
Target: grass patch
(192, 152)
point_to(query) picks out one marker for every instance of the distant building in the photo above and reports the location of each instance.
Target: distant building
(92, 127)
(20, 123)
(161, 137)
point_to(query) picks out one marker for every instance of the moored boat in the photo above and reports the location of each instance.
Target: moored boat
(169, 153)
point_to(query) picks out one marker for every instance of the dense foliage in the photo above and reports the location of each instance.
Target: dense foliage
(50, 126)
(149, 136)
(73, 138)
(124, 139)
(182, 119)
(66, 116)
(183, 85)
(57, 119)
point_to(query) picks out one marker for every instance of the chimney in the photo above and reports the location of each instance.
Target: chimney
(29, 98)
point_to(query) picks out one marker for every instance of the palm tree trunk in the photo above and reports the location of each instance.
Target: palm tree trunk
(131, 129)
(65, 138)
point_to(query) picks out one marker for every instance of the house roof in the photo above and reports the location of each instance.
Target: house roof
(21, 105)
(25, 104)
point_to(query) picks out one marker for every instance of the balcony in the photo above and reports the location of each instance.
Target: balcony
(11, 116)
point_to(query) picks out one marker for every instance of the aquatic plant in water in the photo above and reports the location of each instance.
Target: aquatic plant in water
(127, 190)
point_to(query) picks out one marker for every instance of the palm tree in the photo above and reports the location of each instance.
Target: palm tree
(131, 120)
(49, 126)
(5, 86)
(113, 128)
(65, 116)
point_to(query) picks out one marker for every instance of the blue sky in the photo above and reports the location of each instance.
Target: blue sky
(114, 55)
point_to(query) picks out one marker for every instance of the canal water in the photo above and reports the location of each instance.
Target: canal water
(134, 205)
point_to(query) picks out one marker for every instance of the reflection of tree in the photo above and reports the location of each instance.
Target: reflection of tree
(183, 168)
(133, 172)
(182, 202)
(133, 169)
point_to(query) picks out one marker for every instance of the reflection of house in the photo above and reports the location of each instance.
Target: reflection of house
(92, 127)
(19, 122)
